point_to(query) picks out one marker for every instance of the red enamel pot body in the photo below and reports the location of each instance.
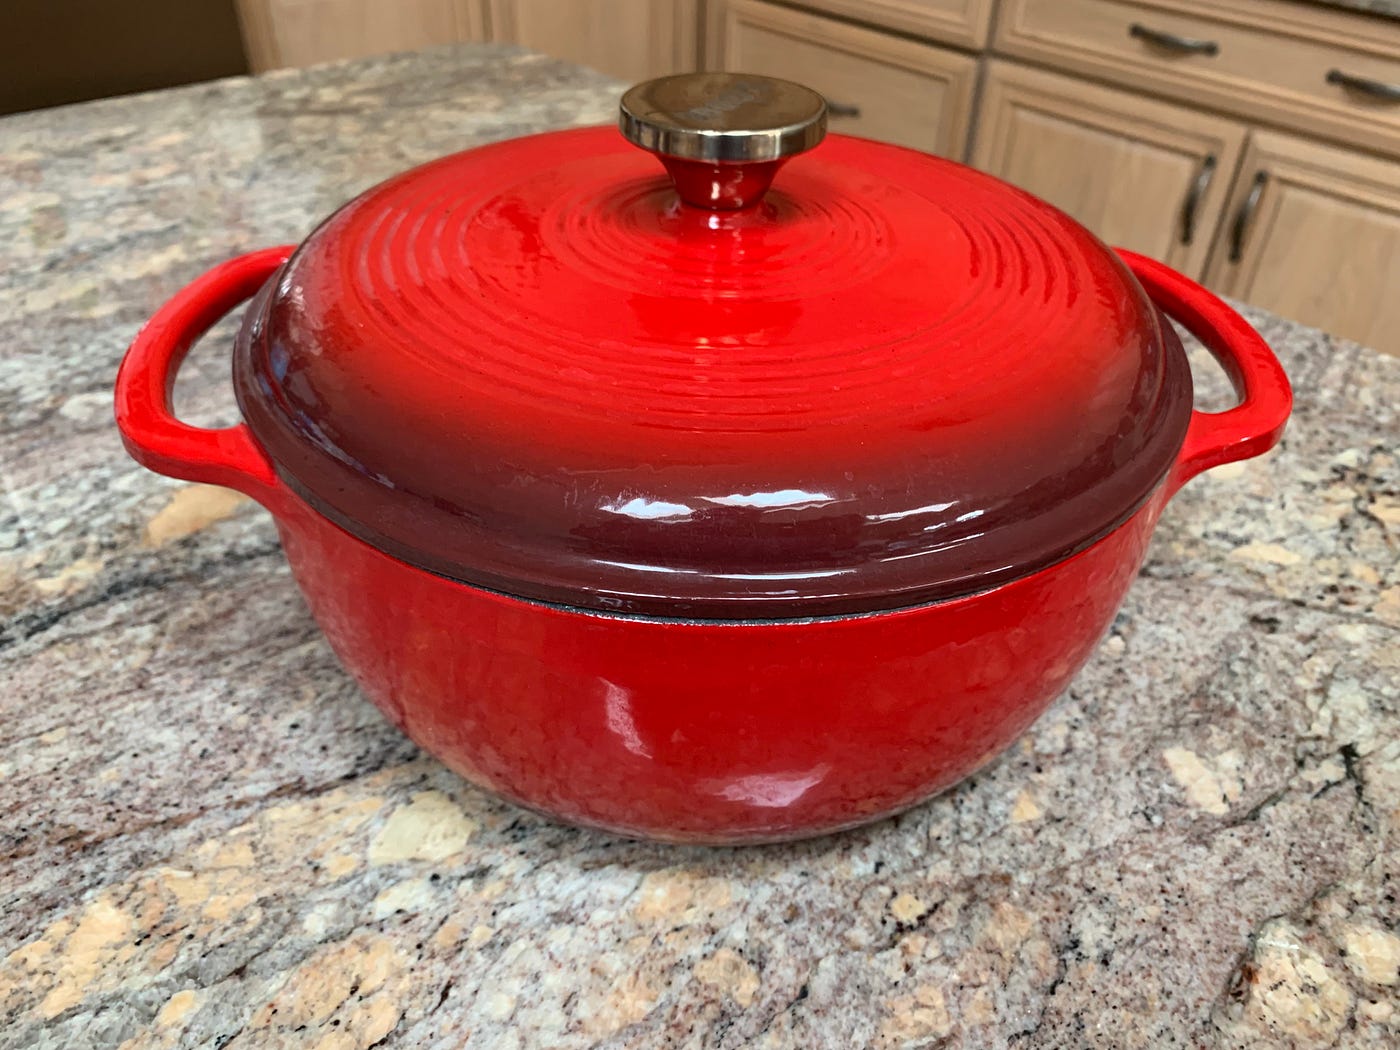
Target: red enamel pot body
(703, 731)
(697, 514)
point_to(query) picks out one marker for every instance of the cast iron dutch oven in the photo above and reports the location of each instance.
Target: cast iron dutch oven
(697, 508)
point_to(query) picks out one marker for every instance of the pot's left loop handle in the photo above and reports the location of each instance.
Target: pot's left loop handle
(1253, 426)
(155, 438)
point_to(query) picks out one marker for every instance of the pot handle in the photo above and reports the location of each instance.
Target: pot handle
(1254, 425)
(146, 379)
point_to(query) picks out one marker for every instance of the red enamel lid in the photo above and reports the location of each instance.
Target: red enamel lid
(889, 379)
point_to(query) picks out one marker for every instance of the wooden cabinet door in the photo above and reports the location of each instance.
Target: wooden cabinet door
(1141, 174)
(632, 40)
(1313, 233)
(879, 86)
(302, 32)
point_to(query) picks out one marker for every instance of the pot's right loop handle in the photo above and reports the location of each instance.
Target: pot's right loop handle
(1254, 425)
(154, 437)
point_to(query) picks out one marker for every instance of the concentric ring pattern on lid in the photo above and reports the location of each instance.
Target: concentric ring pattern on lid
(893, 380)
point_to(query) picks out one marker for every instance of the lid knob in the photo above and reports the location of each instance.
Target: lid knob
(722, 136)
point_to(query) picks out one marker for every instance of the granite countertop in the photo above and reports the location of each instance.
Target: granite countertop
(211, 839)
(1384, 8)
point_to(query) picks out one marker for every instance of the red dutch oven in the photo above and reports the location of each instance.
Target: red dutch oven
(698, 508)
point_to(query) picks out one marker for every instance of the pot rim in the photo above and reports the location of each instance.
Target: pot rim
(1157, 495)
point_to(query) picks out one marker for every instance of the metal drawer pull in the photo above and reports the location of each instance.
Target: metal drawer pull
(841, 109)
(1193, 198)
(1171, 42)
(1245, 215)
(1375, 88)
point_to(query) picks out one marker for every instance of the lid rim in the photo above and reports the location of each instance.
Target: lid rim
(927, 596)
(584, 474)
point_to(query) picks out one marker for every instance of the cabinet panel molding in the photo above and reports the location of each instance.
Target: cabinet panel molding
(964, 23)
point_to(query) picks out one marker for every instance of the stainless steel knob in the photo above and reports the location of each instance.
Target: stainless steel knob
(722, 136)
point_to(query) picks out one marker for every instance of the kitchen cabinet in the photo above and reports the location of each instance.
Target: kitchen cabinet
(878, 85)
(1307, 67)
(1304, 225)
(279, 33)
(963, 23)
(1313, 232)
(1142, 174)
(1305, 229)
(629, 39)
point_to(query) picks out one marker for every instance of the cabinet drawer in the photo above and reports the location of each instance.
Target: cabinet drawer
(961, 22)
(1265, 59)
(879, 86)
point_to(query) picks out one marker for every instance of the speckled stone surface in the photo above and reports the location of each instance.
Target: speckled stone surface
(1383, 8)
(211, 840)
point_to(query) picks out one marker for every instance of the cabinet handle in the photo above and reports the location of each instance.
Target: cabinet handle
(1245, 215)
(1375, 88)
(1185, 45)
(841, 109)
(1193, 198)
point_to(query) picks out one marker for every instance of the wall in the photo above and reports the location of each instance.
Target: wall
(56, 51)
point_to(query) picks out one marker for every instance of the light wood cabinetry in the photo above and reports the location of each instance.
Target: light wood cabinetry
(1313, 233)
(629, 39)
(1142, 174)
(1308, 230)
(281, 33)
(1266, 60)
(878, 85)
(1295, 224)
(964, 23)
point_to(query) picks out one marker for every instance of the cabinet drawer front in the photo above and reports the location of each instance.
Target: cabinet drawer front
(961, 22)
(1140, 173)
(1262, 59)
(878, 86)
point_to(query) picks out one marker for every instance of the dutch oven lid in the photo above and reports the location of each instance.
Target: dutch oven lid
(547, 368)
